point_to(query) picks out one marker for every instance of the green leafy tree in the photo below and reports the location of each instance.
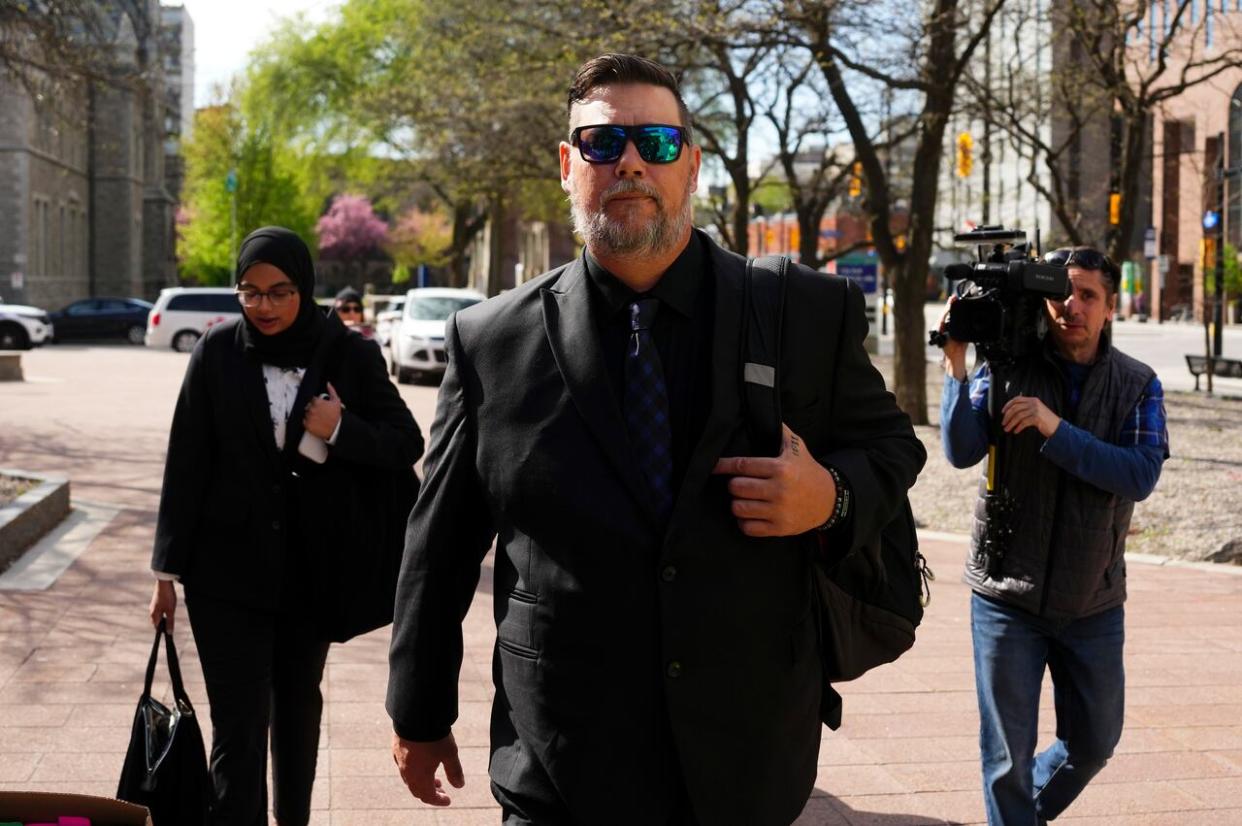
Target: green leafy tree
(270, 188)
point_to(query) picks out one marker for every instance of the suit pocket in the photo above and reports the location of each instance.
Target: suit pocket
(516, 630)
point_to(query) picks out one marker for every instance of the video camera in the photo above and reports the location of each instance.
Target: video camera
(1000, 299)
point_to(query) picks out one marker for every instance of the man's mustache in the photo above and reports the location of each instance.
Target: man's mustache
(628, 187)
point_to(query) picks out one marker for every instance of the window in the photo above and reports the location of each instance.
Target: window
(82, 308)
(205, 303)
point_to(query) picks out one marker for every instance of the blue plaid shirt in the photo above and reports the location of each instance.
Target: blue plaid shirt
(1129, 468)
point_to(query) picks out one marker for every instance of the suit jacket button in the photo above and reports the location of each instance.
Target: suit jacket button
(275, 524)
(669, 573)
(673, 670)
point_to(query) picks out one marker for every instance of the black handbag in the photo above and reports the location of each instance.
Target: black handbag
(166, 766)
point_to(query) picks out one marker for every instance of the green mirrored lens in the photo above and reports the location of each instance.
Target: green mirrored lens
(659, 144)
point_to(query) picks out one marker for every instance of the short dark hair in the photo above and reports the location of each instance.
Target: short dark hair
(614, 69)
(1109, 271)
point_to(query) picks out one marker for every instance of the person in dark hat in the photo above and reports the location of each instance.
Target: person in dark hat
(348, 307)
(284, 416)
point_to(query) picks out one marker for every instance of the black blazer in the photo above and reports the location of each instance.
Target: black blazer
(607, 626)
(229, 494)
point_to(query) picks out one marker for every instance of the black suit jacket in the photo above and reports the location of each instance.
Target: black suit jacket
(614, 635)
(229, 494)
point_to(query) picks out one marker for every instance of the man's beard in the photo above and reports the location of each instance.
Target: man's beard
(607, 236)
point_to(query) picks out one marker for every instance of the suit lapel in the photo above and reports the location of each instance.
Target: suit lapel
(724, 416)
(571, 333)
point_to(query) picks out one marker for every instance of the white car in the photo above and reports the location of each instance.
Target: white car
(182, 314)
(417, 344)
(388, 317)
(23, 327)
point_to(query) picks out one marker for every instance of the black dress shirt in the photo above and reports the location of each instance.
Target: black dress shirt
(682, 333)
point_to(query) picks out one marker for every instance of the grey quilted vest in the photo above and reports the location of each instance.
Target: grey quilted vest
(1067, 556)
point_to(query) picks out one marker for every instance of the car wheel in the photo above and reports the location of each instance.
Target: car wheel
(136, 334)
(184, 341)
(13, 337)
(405, 375)
(392, 363)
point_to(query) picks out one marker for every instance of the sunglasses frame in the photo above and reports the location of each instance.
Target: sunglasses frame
(1097, 260)
(632, 134)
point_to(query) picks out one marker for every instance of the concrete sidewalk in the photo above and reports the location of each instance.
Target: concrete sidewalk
(72, 660)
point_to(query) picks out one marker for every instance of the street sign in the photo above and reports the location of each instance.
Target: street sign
(1149, 243)
(17, 280)
(1211, 219)
(861, 271)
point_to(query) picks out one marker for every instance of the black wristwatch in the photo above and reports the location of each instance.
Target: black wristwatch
(841, 505)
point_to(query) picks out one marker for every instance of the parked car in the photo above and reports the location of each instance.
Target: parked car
(182, 314)
(23, 327)
(387, 317)
(417, 346)
(103, 318)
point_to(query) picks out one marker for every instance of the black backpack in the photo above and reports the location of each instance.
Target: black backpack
(870, 602)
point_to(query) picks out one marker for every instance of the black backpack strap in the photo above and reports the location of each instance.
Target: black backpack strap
(762, 318)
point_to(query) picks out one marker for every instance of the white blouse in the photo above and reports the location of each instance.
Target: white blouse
(282, 389)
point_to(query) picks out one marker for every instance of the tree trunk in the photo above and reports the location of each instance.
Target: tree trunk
(1131, 178)
(458, 261)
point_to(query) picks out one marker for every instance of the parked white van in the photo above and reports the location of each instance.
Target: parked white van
(182, 314)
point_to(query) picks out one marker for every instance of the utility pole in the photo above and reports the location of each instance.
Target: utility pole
(1218, 275)
(230, 184)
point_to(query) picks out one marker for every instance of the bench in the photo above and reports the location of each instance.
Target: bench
(1221, 367)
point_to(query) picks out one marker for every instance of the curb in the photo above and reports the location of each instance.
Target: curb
(1141, 559)
(32, 514)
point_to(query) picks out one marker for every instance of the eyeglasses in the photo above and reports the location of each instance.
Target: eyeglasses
(349, 308)
(1084, 257)
(605, 142)
(278, 295)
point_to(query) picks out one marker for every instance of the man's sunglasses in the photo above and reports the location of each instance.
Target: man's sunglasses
(605, 142)
(349, 308)
(1084, 257)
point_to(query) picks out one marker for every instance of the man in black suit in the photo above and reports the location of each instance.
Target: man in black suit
(657, 659)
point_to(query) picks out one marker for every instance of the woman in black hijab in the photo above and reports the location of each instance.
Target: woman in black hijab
(288, 479)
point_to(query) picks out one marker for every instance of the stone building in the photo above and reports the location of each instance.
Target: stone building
(82, 172)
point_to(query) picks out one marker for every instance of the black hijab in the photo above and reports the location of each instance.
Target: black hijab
(283, 249)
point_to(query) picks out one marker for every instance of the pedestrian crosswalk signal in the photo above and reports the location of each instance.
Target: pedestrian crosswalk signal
(856, 180)
(965, 154)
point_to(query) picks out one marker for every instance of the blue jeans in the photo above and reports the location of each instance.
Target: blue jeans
(1084, 656)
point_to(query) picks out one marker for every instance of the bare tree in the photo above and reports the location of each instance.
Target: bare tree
(815, 172)
(922, 64)
(1114, 65)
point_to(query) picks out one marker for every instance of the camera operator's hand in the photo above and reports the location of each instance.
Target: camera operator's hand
(1022, 412)
(954, 350)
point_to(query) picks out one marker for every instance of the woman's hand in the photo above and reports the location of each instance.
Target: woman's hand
(163, 602)
(322, 415)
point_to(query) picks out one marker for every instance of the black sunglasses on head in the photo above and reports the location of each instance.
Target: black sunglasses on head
(1084, 257)
(605, 142)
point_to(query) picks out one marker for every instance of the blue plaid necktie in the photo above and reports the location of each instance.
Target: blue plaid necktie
(646, 406)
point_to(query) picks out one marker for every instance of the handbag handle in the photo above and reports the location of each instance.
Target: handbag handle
(174, 666)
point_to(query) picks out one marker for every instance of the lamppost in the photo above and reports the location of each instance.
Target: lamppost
(230, 185)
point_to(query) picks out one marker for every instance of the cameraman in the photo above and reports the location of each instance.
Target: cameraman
(1084, 430)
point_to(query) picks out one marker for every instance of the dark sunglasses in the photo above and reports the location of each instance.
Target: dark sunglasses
(1084, 257)
(349, 308)
(605, 142)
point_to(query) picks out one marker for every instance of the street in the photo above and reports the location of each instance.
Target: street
(71, 656)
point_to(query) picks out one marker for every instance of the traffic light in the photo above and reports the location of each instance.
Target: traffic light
(965, 154)
(1114, 208)
(856, 180)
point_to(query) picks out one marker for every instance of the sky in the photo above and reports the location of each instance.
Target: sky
(225, 31)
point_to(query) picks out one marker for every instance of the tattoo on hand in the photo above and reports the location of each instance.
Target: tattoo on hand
(793, 445)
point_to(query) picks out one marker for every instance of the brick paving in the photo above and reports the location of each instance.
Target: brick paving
(72, 660)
